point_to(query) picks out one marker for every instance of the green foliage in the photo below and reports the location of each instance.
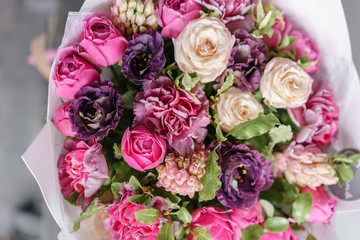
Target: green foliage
(301, 207)
(202, 233)
(280, 193)
(280, 134)
(135, 184)
(143, 198)
(123, 172)
(189, 82)
(184, 215)
(252, 232)
(210, 180)
(310, 237)
(165, 194)
(83, 216)
(229, 81)
(181, 231)
(267, 207)
(147, 216)
(115, 189)
(166, 232)
(276, 224)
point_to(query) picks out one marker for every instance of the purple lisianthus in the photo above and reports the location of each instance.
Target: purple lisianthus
(244, 174)
(144, 57)
(247, 61)
(232, 12)
(95, 110)
(173, 113)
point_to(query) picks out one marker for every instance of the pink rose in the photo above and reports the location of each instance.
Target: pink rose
(281, 28)
(122, 222)
(318, 117)
(250, 216)
(62, 121)
(323, 207)
(305, 46)
(73, 71)
(287, 235)
(82, 169)
(221, 226)
(104, 43)
(174, 15)
(142, 149)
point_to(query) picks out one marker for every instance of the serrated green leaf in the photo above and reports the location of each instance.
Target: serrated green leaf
(256, 127)
(344, 172)
(184, 215)
(210, 180)
(229, 81)
(267, 207)
(83, 216)
(147, 216)
(280, 134)
(135, 184)
(218, 132)
(310, 237)
(188, 82)
(301, 207)
(252, 232)
(166, 232)
(276, 224)
(115, 189)
(260, 14)
(202, 233)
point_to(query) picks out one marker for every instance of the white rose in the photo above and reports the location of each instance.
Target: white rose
(204, 46)
(285, 84)
(235, 106)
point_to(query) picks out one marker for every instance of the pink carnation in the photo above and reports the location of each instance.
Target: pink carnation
(287, 235)
(82, 169)
(122, 222)
(62, 121)
(318, 117)
(173, 113)
(250, 216)
(323, 207)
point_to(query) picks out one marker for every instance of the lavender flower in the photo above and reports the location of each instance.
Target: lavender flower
(144, 57)
(244, 173)
(95, 110)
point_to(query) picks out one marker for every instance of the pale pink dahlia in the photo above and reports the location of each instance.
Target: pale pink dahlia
(182, 173)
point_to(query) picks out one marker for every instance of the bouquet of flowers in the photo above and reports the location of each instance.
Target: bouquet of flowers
(195, 119)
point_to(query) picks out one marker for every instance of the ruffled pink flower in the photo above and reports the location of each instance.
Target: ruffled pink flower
(122, 222)
(318, 117)
(174, 15)
(232, 12)
(182, 174)
(143, 149)
(221, 226)
(82, 169)
(250, 216)
(323, 207)
(304, 166)
(62, 121)
(281, 28)
(287, 235)
(173, 113)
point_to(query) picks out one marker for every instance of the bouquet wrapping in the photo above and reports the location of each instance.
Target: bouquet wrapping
(328, 28)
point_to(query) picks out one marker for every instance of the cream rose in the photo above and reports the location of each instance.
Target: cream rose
(235, 106)
(204, 46)
(285, 84)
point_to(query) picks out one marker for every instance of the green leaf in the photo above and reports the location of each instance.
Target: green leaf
(229, 81)
(266, 20)
(165, 194)
(276, 224)
(202, 233)
(171, 205)
(260, 14)
(344, 172)
(117, 150)
(115, 189)
(147, 216)
(181, 231)
(166, 232)
(252, 232)
(128, 98)
(267, 207)
(310, 237)
(123, 172)
(83, 216)
(301, 207)
(184, 215)
(280, 134)
(137, 198)
(304, 59)
(285, 42)
(188, 82)
(135, 184)
(354, 158)
(256, 127)
(218, 132)
(210, 180)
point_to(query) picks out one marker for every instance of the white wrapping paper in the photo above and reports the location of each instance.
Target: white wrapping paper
(324, 20)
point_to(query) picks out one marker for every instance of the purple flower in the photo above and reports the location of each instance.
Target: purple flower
(144, 57)
(244, 174)
(247, 61)
(95, 110)
(172, 113)
(232, 12)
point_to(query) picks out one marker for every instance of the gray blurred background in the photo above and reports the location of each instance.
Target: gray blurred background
(23, 99)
